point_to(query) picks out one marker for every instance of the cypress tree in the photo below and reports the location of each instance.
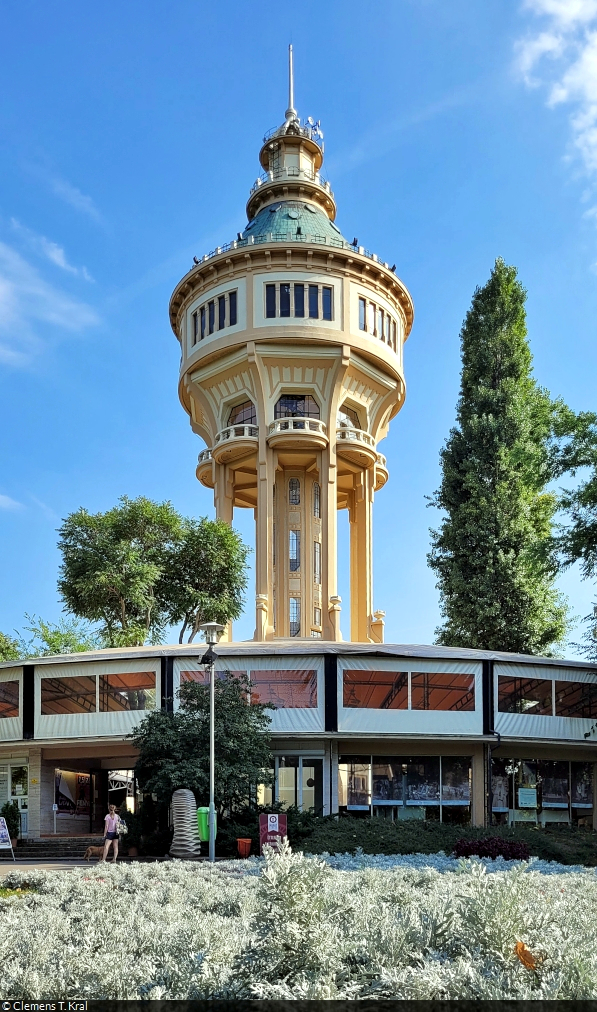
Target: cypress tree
(492, 553)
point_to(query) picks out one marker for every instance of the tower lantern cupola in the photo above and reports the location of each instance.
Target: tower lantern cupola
(292, 369)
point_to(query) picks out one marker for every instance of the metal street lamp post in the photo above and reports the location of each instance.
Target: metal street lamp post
(213, 631)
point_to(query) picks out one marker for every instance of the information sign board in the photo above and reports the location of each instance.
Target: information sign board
(5, 843)
(272, 829)
(527, 797)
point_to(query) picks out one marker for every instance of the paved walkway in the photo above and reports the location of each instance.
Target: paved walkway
(9, 866)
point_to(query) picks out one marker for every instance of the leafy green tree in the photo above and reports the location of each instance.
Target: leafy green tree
(174, 747)
(68, 636)
(111, 563)
(9, 648)
(204, 576)
(494, 554)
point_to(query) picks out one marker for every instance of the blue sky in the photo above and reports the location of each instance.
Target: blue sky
(129, 136)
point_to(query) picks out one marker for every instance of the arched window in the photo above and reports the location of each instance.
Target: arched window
(243, 414)
(348, 417)
(297, 406)
(294, 492)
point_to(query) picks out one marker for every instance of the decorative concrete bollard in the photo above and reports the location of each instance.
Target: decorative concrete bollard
(185, 843)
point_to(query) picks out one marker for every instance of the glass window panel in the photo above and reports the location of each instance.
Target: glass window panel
(348, 416)
(221, 312)
(581, 792)
(3, 785)
(422, 780)
(211, 309)
(456, 780)
(317, 616)
(294, 492)
(326, 300)
(284, 299)
(295, 616)
(195, 327)
(264, 794)
(294, 550)
(394, 335)
(9, 699)
(134, 690)
(296, 406)
(362, 315)
(442, 690)
(313, 785)
(19, 779)
(202, 322)
(314, 301)
(371, 318)
(376, 690)
(576, 699)
(68, 695)
(380, 324)
(553, 781)
(525, 782)
(525, 695)
(270, 301)
(284, 689)
(287, 780)
(316, 500)
(299, 300)
(500, 786)
(243, 414)
(387, 781)
(232, 309)
(316, 562)
(354, 775)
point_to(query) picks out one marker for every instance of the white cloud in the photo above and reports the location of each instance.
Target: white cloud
(71, 195)
(48, 249)
(26, 301)
(562, 56)
(6, 503)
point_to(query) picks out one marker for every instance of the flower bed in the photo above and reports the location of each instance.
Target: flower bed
(293, 927)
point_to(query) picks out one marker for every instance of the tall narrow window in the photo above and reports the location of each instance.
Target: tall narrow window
(294, 492)
(299, 300)
(394, 334)
(313, 302)
(195, 327)
(284, 299)
(380, 326)
(294, 550)
(274, 529)
(232, 309)
(221, 312)
(270, 301)
(202, 314)
(316, 500)
(316, 562)
(211, 307)
(326, 299)
(362, 314)
(295, 616)
(317, 616)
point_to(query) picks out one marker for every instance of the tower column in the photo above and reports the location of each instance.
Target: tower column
(264, 522)
(361, 556)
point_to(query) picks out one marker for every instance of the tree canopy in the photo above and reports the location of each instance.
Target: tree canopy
(141, 566)
(174, 747)
(67, 636)
(493, 553)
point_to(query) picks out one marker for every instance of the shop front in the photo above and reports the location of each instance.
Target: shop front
(542, 791)
(14, 786)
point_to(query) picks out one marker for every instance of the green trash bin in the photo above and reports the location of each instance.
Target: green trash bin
(203, 824)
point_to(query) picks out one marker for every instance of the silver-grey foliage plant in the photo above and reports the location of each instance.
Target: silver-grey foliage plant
(296, 927)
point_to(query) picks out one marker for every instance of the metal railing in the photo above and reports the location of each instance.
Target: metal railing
(381, 460)
(290, 172)
(297, 425)
(238, 432)
(289, 237)
(348, 435)
(204, 456)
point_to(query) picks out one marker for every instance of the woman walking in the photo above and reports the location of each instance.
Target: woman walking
(111, 833)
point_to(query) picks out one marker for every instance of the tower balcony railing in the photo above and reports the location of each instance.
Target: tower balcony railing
(347, 434)
(237, 432)
(205, 456)
(291, 172)
(297, 425)
(287, 237)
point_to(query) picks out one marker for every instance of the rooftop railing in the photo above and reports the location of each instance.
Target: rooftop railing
(238, 432)
(296, 425)
(287, 237)
(290, 172)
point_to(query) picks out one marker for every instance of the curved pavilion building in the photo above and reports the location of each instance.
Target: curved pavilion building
(291, 343)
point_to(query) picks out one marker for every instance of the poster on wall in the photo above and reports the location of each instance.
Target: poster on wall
(73, 794)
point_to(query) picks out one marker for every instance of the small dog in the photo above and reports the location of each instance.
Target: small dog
(93, 852)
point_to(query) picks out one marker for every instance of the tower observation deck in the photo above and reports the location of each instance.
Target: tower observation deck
(292, 369)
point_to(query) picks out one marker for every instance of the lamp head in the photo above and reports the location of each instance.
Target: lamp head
(212, 632)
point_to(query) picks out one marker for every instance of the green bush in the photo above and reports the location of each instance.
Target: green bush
(567, 844)
(244, 824)
(10, 812)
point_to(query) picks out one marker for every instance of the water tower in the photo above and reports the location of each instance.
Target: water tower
(292, 369)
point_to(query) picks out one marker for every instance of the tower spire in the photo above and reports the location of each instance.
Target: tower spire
(291, 111)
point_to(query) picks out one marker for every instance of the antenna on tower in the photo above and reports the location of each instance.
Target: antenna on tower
(291, 111)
